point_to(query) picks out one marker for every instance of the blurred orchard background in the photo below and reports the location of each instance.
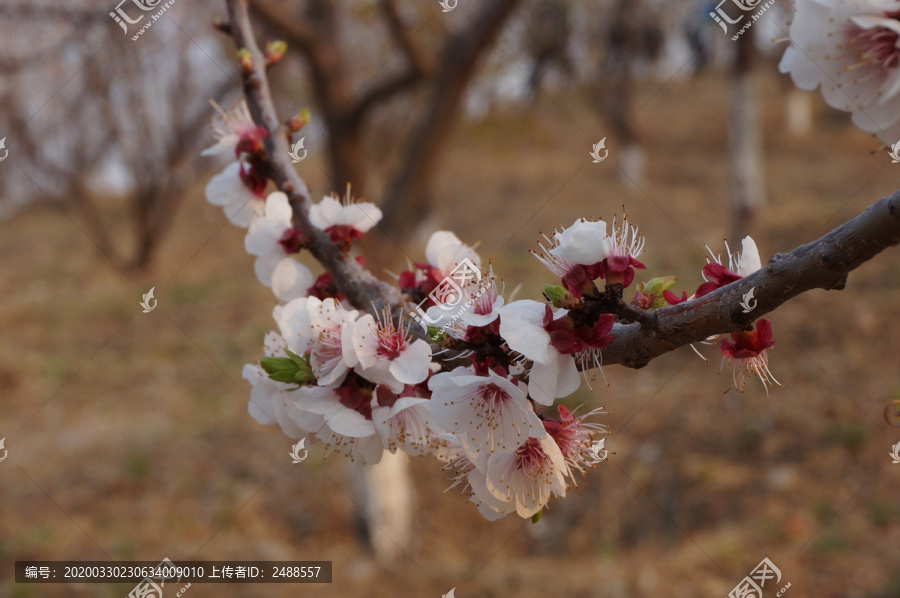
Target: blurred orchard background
(128, 433)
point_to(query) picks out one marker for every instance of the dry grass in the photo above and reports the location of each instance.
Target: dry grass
(138, 446)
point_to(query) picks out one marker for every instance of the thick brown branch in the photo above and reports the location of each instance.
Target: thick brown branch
(822, 264)
(360, 287)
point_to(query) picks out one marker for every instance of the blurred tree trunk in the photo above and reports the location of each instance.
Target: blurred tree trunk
(406, 200)
(747, 177)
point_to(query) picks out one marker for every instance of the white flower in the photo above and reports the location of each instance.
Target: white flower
(405, 421)
(492, 411)
(269, 399)
(291, 279)
(386, 353)
(850, 49)
(232, 127)
(584, 243)
(274, 268)
(744, 263)
(330, 212)
(328, 321)
(522, 481)
(343, 430)
(553, 375)
(748, 261)
(228, 191)
(317, 327)
(444, 251)
(480, 307)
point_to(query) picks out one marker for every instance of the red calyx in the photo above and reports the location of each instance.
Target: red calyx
(748, 343)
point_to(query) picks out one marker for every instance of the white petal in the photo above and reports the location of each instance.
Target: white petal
(291, 280)
(522, 327)
(412, 365)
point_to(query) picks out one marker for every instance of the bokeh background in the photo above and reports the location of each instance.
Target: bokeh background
(128, 433)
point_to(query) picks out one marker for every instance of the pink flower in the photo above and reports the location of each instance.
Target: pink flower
(739, 265)
(747, 351)
(575, 437)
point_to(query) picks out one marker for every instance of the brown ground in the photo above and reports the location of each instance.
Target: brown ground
(136, 442)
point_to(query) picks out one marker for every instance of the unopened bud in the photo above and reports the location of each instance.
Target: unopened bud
(275, 51)
(298, 121)
(245, 59)
(560, 297)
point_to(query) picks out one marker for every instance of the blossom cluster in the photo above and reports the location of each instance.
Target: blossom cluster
(482, 395)
(850, 49)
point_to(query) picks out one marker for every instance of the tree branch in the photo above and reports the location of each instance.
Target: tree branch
(360, 287)
(822, 264)
(419, 65)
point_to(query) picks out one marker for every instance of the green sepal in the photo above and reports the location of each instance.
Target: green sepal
(537, 516)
